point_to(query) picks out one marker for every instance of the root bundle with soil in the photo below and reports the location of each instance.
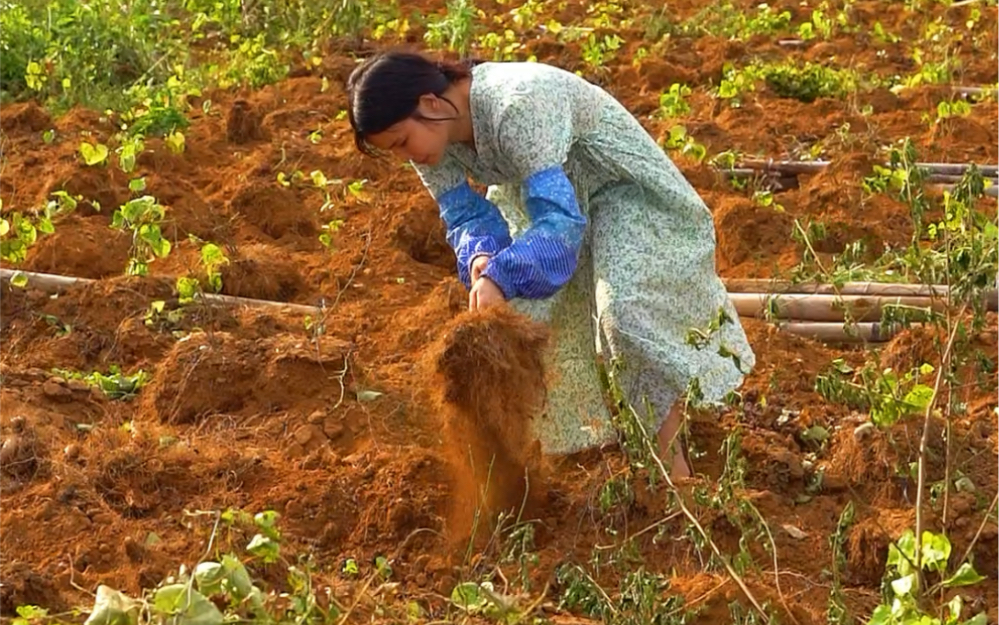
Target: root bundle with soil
(489, 384)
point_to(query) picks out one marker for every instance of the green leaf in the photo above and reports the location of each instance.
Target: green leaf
(187, 288)
(137, 185)
(902, 587)
(112, 608)
(318, 178)
(161, 247)
(907, 545)
(175, 142)
(209, 577)
(191, 606)
(4, 227)
(469, 597)
(93, 154)
(966, 575)
(45, 226)
(238, 580)
(936, 551)
(919, 397)
(19, 280)
(979, 619)
(266, 519)
(264, 547)
(881, 616)
(212, 255)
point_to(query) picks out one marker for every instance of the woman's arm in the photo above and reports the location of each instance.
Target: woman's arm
(474, 225)
(535, 132)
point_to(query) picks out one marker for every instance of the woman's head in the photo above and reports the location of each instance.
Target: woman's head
(396, 103)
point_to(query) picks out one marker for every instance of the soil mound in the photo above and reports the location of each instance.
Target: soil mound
(223, 374)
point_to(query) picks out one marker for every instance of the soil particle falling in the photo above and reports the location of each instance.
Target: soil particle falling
(490, 385)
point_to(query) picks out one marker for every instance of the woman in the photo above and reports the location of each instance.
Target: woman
(587, 226)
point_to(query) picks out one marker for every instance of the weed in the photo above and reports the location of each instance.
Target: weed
(888, 395)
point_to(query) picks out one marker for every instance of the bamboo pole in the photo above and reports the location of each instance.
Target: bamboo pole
(783, 177)
(822, 308)
(838, 333)
(52, 283)
(885, 290)
(814, 167)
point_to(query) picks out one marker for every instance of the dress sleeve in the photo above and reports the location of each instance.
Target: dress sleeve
(535, 133)
(474, 225)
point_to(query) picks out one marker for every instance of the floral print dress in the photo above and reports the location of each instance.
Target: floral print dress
(593, 230)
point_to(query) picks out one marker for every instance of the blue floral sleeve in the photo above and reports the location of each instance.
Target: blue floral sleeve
(537, 138)
(474, 225)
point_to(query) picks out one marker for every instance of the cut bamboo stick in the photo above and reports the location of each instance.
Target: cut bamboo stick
(52, 283)
(822, 308)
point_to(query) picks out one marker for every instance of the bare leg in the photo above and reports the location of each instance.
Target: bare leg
(670, 446)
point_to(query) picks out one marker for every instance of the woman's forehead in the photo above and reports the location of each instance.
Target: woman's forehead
(387, 137)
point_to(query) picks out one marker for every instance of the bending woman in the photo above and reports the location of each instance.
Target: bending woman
(587, 226)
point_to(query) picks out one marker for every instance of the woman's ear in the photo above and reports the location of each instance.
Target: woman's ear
(429, 103)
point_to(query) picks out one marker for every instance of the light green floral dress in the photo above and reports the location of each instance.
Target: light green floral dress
(646, 262)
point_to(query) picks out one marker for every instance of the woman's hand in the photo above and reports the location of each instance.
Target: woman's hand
(479, 264)
(484, 294)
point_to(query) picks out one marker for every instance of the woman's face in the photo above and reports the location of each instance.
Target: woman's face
(417, 138)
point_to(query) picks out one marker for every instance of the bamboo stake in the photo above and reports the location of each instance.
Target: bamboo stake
(761, 285)
(821, 307)
(52, 283)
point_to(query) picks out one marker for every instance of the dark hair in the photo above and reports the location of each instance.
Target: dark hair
(386, 89)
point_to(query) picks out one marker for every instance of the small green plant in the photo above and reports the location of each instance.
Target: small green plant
(455, 30)
(114, 384)
(18, 232)
(679, 141)
(673, 103)
(766, 200)
(93, 154)
(223, 590)
(906, 566)
(947, 110)
(212, 261)
(598, 50)
(143, 216)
